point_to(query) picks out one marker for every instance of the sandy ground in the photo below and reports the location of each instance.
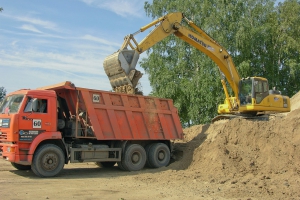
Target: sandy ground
(87, 181)
(236, 159)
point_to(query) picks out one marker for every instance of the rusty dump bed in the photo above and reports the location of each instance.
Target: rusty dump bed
(115, 116)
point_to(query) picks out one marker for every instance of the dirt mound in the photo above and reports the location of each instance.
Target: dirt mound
(239, 147)
(258, 157)
(295, 101)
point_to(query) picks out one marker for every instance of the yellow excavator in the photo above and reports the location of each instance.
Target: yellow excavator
(251, 95)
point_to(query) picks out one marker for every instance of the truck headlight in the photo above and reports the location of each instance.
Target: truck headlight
(0, 122)
(10, 149)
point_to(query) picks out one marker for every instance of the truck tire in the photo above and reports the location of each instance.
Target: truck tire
(134, 157)
(147, 149)
(105, 164)
(120, 165)
(21, 167)
(159, 155)
(48, 161)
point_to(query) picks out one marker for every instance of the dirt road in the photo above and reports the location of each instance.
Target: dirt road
(87, 181)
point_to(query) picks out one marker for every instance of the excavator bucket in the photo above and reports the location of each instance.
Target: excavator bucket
(120, 69)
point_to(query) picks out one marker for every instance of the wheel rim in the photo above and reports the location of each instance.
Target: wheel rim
(161, 155)
(50, 161)
(136, 158)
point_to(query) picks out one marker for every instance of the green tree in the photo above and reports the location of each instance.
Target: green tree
(271, 49)
(251, 30)
(2, 93)
(286, 42)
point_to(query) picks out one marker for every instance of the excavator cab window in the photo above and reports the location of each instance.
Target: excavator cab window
(261, 89)
(245, 94)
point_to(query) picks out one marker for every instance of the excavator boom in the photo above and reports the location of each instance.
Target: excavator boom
(120, 66)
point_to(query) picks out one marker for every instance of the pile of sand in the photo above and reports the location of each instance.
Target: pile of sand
(255, 155)
(240, 146)
(295, 101)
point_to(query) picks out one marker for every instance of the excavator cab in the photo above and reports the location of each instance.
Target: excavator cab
(255, 96)
(253, 90)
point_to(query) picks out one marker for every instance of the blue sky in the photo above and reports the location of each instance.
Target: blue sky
(48, 42)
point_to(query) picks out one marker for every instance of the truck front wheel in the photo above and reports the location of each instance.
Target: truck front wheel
(48, 161)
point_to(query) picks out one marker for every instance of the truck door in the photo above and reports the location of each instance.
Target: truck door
(36, 118)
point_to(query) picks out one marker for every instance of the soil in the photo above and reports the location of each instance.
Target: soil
(295, 101)
(236, 159)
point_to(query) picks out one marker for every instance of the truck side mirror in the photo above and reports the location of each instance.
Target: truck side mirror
(34, 104)
(31, 105)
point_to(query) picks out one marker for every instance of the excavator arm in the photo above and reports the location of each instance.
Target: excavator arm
(120, 66)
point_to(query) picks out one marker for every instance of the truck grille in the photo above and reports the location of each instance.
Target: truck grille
(3, 137)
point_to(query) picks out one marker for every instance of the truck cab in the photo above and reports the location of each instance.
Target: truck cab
(26, 116)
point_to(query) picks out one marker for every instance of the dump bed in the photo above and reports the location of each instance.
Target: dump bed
(116, 116)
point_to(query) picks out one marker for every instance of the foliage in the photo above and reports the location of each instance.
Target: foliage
(262, 39)
(2, 93)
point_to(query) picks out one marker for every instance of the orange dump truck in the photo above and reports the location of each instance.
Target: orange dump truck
(44, 129)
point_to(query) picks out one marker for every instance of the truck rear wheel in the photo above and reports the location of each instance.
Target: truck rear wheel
(120, 165)
(21, 167)
(159, 155)
(134, 157)
(48, 161)
(147, 149)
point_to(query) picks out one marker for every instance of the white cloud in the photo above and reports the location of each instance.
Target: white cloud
(74, 63)
(29, 27)
(42, 23)
(32, 69)
(14, 43)
(123, 8)
(100, 40)
(33, 21)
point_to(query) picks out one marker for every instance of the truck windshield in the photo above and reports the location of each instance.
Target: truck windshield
(11, 104)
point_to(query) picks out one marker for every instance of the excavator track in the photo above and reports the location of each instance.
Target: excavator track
(263, 117)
